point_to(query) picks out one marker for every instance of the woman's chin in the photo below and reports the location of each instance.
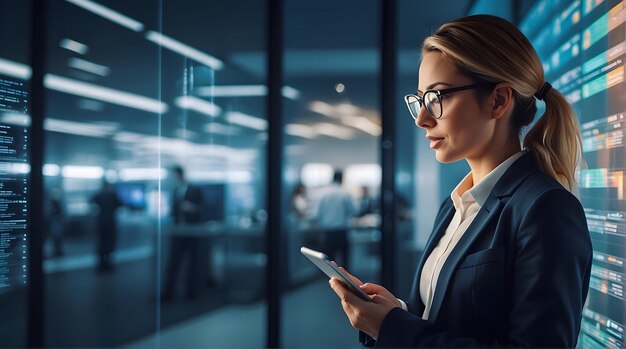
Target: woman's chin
(445, 157)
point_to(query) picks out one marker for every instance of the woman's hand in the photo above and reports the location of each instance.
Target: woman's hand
(365, 316)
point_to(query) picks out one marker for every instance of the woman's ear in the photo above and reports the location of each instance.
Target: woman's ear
(502, 100)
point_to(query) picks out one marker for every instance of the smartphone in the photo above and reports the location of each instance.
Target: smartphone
(324, 263)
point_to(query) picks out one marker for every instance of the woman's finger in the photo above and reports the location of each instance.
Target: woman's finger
(352, 277)
(370, 288)
(341, 289)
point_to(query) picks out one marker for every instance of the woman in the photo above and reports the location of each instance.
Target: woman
(509, 259)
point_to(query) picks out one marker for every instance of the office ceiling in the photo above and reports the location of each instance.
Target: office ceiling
(326, 42)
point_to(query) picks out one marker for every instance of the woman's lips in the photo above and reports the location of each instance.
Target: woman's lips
(434, 141)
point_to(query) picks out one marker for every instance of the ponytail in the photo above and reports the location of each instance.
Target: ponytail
(555, 141)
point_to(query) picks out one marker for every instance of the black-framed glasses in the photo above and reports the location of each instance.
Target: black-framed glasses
(431, 99)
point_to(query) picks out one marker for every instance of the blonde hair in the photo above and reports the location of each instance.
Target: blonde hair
(491, 49)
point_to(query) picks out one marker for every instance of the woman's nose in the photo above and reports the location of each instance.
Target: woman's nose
(424, 119)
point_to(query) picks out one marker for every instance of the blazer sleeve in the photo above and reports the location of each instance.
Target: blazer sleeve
(551, 271)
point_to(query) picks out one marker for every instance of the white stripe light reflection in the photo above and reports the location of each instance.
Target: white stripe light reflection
(51, 170)
(89, 67)
(87, 172)
(185, 50)
(246, 120)
(74, 46)
(79, 128)
(79, 88)
(138, 174)
(14, 69)
(109, 14)
(198, 105)
(14, 168)
(15, 119)
(303, 131)
(243, 91)
(332, 130)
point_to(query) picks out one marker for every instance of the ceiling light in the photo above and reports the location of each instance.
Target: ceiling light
(20, 168)
(142, 174)
(15, 119)
(322, 108)
(333, 130)
(290, 92)
(129, 137)
(51, 170)
(243, 91)
(14, 69)
(232, 91)
(214, 127)
(347, 108)
(79, 88)
(89, 67)
(362, 123)
(79, 128)
(247, 120)
(88, 172)
(109, 14)
(198, 105)
(300, 131)
(185, 50)
(74, 46)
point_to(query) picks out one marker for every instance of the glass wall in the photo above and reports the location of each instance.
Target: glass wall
(422, 183)
(15, 74)
(582, 45)
(332, 126)
(154, 173)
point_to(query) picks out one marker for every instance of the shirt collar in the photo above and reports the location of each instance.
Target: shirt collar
(480, 191)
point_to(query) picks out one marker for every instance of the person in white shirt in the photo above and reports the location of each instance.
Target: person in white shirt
(334, 214)
(508, 262)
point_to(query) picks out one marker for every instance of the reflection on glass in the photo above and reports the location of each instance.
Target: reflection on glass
(154, 183)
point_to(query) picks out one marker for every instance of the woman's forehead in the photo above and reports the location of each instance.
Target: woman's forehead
(434, 68)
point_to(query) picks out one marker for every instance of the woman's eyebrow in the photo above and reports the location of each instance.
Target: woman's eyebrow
(435, 84)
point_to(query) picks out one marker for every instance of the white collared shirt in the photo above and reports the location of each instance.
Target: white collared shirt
(467, 206)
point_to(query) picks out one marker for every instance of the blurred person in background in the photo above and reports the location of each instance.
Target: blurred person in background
(187, 205)
(55, 220)
(107, 202)
(334, 215)
(366, 203)
(299, 202)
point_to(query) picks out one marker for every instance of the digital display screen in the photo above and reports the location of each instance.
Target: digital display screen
(582, 47)
(14, 171)
(131, 195)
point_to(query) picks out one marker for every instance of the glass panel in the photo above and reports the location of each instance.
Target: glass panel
(213, 75)
(332, 123)
(155, 173)
(101, 177)
(422, 183)
(581, 45)
(15, 73)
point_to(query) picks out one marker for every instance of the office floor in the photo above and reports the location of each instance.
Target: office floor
(312, 318)
(89, 309)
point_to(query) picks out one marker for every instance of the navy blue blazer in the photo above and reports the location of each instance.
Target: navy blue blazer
(518, 277)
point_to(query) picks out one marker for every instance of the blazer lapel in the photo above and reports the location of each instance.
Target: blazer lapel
(489, 212)
(438, 231)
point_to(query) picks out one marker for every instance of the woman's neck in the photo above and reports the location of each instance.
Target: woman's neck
(483, 165)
